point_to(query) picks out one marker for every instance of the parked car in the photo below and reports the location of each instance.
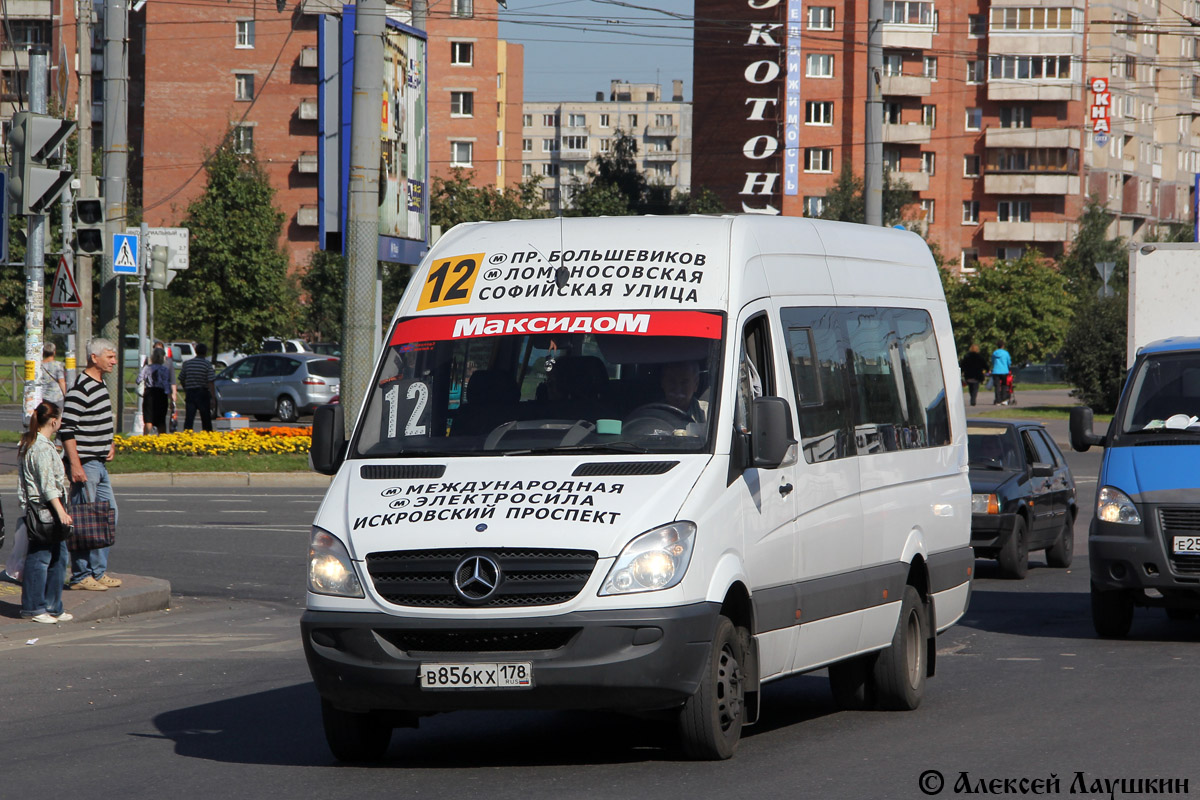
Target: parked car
(130, 356)
(326, 348)
(276, 385)
(271, 344)
(182, 351)
(1022, 495)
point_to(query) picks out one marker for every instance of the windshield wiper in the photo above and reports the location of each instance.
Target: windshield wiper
(612, 447)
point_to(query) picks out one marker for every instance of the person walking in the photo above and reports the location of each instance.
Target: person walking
(196, 376)
(51, 376)
(43, 482)
(974, 368)
(159, 391)
(1001, 363)
(87, 436)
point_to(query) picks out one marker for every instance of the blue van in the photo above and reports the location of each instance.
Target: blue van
(1144, 543)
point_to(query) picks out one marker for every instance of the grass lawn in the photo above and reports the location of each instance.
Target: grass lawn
(234, 462)
(1039, 412)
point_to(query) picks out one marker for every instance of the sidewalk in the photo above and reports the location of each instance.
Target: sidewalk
(136, 596)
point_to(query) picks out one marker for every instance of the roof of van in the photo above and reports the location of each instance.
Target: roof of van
(675, 262)
(1171, 345)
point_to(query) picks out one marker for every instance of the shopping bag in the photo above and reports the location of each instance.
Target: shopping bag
(16, 558)
(95, 525)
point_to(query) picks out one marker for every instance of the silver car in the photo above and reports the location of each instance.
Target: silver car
(277, 385)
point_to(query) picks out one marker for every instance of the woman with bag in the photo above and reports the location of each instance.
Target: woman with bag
(41, 489)
(158, 389)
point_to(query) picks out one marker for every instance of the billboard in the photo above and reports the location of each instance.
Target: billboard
(403, 133)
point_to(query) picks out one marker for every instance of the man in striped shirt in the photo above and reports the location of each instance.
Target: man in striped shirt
(196, 376)
(87, 436)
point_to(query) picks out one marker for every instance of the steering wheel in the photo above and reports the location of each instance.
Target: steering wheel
(657, 418)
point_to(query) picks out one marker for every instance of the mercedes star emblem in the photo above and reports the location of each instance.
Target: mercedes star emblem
(476, 578)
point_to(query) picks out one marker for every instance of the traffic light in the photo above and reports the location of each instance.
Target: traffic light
(159, 256)
(34, 186)
(89, 225)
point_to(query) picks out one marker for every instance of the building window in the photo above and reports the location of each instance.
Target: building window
(1014, 211)
(974, 119)
(970, 259)
(664, 120)
(660, 171)
(970, 212)
(818, 159)
(975, 71)
(927, 161)
(549, 120)
(549, 145)
(891, 113)
(527, 145)
(1025, 68)
(576, 120)
(1016, 117)
(659, 145)
(893, 64)
(461, 154)
(633, 120)
(462, 54)
(243, 139)
(929, 114)
(820, 18)
(971, 166)
(1009, 253)
(891, 159)
(976, 26)
(462, 8)
(927, 211)
(929, 67)
(606, 145)
(245, 33)
(604, 121)
(462, 104)
(1036, 19)
(243, 86)
(818, 112)
(527, 170)
(527, 120)
(814, 206)
(575, 143)
(819, 65)
(907, 12)
(550, 196)
(550, 170)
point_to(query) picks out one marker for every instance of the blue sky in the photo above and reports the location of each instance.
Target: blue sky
(574, 48)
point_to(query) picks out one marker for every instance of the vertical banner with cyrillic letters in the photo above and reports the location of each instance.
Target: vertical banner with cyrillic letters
(791, 127)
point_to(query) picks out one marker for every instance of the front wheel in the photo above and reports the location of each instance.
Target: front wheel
(899, 674)
(355, 737)
(285, 409)
(1060, 554)
(1014, 555)
(710, 722)
(1112, 612)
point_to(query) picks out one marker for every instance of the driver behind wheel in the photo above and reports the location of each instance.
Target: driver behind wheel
(679, 383)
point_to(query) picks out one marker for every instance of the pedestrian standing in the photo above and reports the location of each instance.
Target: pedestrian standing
(51, 376)
(1001, 364)
(974, 368)
(196, 376)
(87, 436)
(158, 391)
(43, 482)
(174, 400)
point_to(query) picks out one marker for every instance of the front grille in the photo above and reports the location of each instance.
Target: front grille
(529, 577)
(393, 472)
(1180, 521)
(479, 641)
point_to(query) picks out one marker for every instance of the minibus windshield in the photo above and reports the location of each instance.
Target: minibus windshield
(569, 382)
(1164, 396)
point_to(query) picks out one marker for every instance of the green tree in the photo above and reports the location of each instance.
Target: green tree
(324, 286)
(1094, 351)
(844, 201)
(1091, 246)
(615, 187)
(457, 199)
(1023, 303)
(236, 288)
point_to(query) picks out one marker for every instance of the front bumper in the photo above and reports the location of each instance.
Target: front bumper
(627, 660)
(1139, 557)
(990, 532)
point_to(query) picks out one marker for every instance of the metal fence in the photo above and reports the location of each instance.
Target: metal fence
(12, 385)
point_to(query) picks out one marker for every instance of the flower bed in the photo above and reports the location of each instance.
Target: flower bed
(242, 440)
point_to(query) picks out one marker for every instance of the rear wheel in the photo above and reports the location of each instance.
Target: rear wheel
(1060, 554)
(1112, 612)
(710, 723)
(285, 409)
(355, 737)
(899, 674)
(1014, 555)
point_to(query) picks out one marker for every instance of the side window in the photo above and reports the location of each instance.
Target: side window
(1036, 448)
(756, 374)
(245, 369)
(817, 360)
(928, 413)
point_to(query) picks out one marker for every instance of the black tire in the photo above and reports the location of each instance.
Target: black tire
(710, 722)
(1060, 554)
(285, 409)
(355, 737)
(850, 682)
(1112, 612)
(263, 417)
(899, 673)
(1014, 555)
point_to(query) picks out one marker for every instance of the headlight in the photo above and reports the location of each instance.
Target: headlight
(654, 560)
(1113, 505)
(985, 504)
(329, 567)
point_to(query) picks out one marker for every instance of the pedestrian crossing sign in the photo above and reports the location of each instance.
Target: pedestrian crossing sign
(125, 253)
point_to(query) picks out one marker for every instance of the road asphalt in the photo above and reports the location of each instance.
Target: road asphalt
(140, 594)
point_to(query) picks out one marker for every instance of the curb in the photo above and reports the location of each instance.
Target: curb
(206, 479)
(138, 595)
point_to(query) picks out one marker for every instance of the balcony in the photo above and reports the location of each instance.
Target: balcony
(999, 89)
(1030, 183)
(28, 9)
(321, 6)
(1022, 43)
(14, 59)
(308, 57)
(907, 134)
(907, 85)
(919, 181)
(308, 108)
(907, 37)
(661, 155)
(307, 217)
(662, 130)
(574, 154)
(1028, 231)
(307, 163)
(1031, 137)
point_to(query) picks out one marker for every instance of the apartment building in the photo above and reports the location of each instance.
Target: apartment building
(560, 139)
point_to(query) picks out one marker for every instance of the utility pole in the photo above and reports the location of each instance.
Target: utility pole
(68, 222)
(35, 252)
(83, 262)
(116, 158)
(362, 216)
(873, 162)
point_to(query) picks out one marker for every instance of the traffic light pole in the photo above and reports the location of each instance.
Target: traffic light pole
(35, 254)
(116, 164)
(83, 261)
(139, 417)
(67, 234)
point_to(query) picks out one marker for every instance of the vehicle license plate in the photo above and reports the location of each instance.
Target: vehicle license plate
(517, 675)
(1187, 544)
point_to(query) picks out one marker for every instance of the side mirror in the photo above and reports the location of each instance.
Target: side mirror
(1081, 430)
(771, 434)
(1040, 469)
(328, 439)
